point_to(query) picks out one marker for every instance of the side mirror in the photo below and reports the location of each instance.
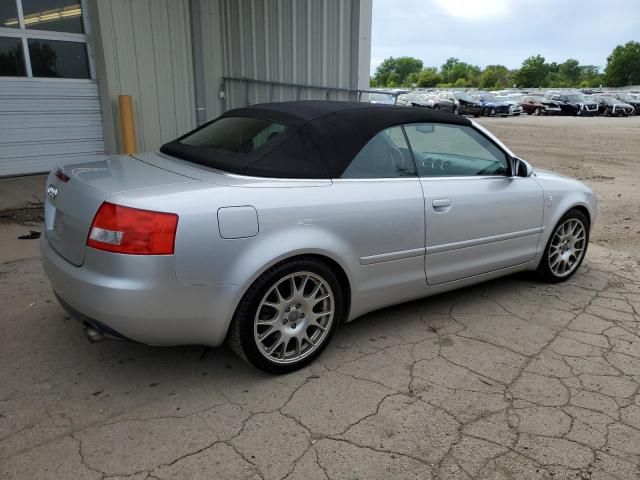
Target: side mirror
(520, 167)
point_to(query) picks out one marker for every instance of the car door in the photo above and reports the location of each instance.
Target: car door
(379, 212)
(478, 217)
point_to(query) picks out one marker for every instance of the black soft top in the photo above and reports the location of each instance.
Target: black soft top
(320, 140)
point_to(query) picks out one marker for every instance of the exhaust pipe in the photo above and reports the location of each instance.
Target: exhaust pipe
(93, 335)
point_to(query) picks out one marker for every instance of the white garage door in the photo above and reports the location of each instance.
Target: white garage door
(49, 104)
(46, 123)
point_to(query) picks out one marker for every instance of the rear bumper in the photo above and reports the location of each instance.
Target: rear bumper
(139, 298)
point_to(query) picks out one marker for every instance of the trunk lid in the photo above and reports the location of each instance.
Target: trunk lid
(70, 206)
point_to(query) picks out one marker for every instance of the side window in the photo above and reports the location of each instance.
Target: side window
(454, 150)
(386, 155)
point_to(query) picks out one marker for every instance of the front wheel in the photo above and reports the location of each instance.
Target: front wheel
(288, 316)
(566, 248)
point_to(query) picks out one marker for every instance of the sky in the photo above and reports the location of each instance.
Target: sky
(486, 32)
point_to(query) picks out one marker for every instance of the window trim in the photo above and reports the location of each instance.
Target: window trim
(25, 34)
(499, 147)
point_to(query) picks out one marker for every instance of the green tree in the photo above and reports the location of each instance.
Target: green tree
(623, 65)
(396, 70)
(429, 77)
(533, 72)
(454, 70)
(569, 72)
(495, 76)
(590, 76)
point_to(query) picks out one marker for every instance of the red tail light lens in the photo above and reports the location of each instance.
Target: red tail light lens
(129, 230)
(61, 175)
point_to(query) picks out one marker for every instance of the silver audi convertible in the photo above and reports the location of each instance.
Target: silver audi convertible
(271, 225)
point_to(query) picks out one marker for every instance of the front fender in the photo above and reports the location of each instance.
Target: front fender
(561, 194)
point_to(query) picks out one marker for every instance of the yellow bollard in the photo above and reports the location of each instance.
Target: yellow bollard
(126, 124)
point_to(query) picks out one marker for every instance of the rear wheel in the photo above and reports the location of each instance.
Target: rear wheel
(288, 316)
(566, 248)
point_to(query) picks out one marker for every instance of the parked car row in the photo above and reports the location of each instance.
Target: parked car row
(514, 103)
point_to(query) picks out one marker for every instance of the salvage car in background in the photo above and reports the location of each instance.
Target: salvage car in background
(491, 106)
(385, 98)
(463, 103)
(273, 224)
(416, 99)
(515, 108)
(427, 100)
(612, 106)
(630, 99)
(539, 105)
(575, 104)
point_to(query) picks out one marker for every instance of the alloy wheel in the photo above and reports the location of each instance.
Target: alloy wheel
(567, 247)
(294, 317)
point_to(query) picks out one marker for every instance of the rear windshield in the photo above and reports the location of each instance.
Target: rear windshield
(235, 134)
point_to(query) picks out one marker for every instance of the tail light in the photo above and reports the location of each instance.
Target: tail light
(133, 231)
(62, 176)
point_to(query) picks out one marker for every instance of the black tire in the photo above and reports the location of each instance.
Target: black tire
(241, 331)
(544, 270)
(538, 111)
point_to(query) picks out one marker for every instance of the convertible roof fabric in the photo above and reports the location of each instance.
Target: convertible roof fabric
(320, 141)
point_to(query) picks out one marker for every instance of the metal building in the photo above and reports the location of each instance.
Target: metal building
(64, 63)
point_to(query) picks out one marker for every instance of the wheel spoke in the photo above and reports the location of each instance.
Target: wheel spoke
(274, 346)
(307, 339)
(270, 321)
(322, 298)
(266, 333)
(315, 291)
(278, 294)
(298, 346)
(300, 291)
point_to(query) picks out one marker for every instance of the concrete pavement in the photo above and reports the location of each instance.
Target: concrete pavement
(512, 379)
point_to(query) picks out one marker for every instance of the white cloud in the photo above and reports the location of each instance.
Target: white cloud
(475, 9)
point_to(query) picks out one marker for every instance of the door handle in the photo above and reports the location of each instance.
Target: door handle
(441, 203)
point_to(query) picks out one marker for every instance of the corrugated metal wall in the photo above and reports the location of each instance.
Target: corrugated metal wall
(46, 122)
(307, 42)
(145, 51)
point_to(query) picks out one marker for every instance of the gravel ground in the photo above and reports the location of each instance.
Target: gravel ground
(603, 152)
(511, 379)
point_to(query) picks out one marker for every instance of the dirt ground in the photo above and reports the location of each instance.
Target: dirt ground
(602, 152)
(511, 379)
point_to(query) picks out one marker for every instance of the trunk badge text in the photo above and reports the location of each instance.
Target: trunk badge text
(52, 192)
